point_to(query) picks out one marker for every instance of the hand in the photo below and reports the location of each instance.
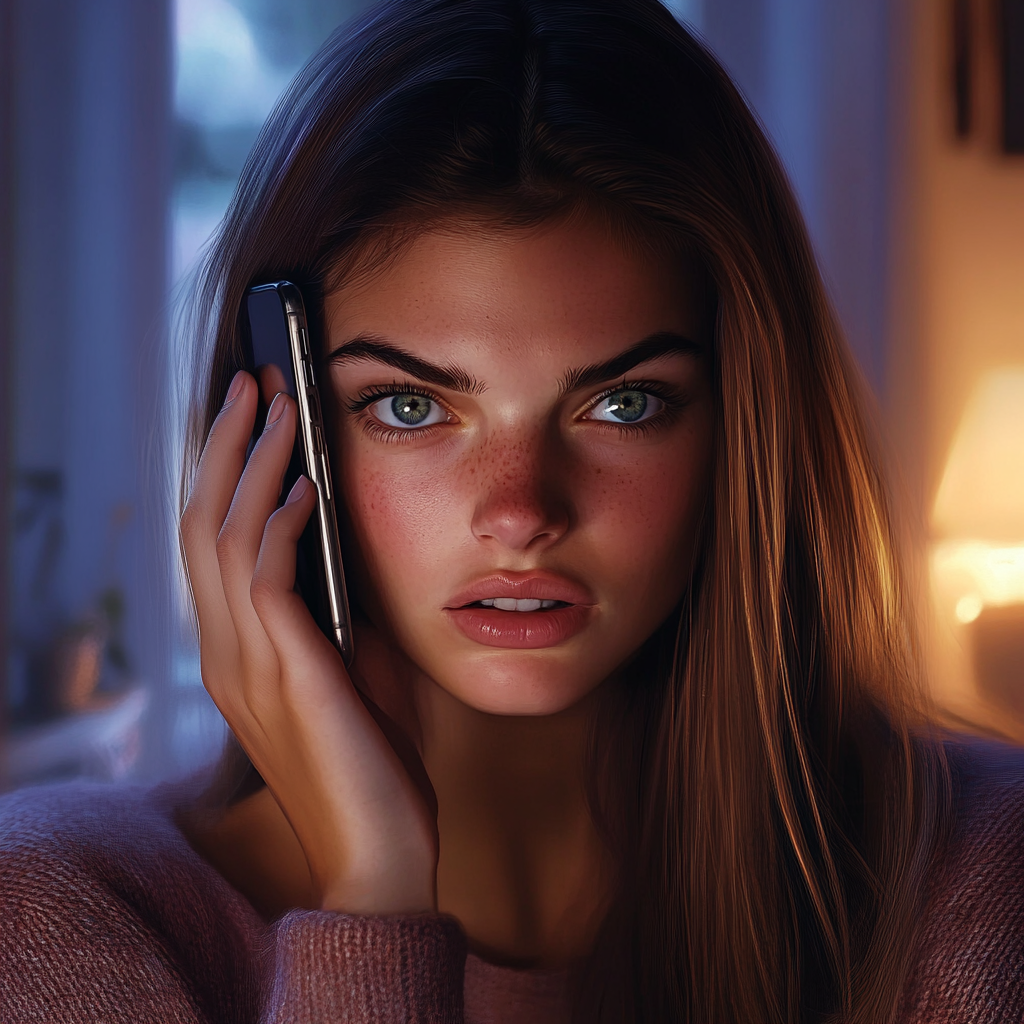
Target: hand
(368, 831)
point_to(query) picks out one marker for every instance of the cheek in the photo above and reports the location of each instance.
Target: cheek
(635, 518)
(415, 509)
(401, 514)
(643, 518)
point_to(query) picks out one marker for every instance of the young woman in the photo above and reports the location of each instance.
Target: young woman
(634, 712)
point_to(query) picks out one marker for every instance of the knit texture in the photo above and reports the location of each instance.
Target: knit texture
(970, 953)
(377, 969)
(108, 915)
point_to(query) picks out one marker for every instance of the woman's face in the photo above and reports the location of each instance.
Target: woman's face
(526, 416)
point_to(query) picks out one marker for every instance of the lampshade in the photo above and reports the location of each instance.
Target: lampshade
(981, 496)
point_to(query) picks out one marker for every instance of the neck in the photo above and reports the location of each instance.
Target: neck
(521, 864)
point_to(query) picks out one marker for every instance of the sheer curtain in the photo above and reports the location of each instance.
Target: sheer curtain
(87, 95)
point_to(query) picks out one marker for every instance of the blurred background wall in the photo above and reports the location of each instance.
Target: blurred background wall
(955, 394)
(124, 126)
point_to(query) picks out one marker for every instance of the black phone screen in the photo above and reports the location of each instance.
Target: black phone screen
(276, 337)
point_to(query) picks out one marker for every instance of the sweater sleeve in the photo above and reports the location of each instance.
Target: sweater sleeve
(366, 970)
(107, 915)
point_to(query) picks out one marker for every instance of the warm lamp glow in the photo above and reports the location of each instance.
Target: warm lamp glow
(980, 504)
(969, 607)
(981, 496)
(976, 575)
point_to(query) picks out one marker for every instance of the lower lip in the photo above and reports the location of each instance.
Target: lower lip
(495, 628)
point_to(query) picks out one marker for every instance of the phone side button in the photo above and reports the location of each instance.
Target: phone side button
(325, 476)
(314, 405)
(318, 440)
(304, 341)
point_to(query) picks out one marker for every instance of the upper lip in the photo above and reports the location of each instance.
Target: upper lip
(535, 584)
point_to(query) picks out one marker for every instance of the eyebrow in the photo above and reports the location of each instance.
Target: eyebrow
(454, 378)
(654, 346)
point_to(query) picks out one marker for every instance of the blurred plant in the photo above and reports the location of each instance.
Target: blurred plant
(60, 664)
(85, 650)
(76, 668)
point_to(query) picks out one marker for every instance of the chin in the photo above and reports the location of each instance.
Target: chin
(516, 685)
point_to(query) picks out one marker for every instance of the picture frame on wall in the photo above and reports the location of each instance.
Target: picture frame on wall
(1013, 75)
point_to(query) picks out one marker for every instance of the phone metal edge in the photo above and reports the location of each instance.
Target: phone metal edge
(317, 464)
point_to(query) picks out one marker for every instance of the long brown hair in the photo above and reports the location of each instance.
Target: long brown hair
(772, 812)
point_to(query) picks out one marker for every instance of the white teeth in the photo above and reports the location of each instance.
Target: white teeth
(511, 604)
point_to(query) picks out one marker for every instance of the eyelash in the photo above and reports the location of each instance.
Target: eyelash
(671, 397)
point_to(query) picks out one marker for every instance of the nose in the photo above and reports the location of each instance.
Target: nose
(523, 505)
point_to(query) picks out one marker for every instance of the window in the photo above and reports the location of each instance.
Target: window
(233, 59)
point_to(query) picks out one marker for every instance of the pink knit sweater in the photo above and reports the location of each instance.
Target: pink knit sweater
(108, 915)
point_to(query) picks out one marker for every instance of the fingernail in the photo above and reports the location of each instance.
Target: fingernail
(276, 408)
(235, 389)
(298, 489)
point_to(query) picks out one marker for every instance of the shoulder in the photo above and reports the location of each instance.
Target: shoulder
(81, 820)
(971, 949)
(121, 840)
(985, 853)
(105, 907)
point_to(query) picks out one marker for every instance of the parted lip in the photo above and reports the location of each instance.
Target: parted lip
(535, 584)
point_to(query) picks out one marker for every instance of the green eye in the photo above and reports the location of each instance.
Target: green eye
(407, 411)
(411, 410)
(627, 406)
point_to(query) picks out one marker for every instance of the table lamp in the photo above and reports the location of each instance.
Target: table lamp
(978, 519)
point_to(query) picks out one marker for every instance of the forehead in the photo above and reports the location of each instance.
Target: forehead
(576, 288)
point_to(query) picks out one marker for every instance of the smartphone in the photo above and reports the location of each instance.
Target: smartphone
(276, 333)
